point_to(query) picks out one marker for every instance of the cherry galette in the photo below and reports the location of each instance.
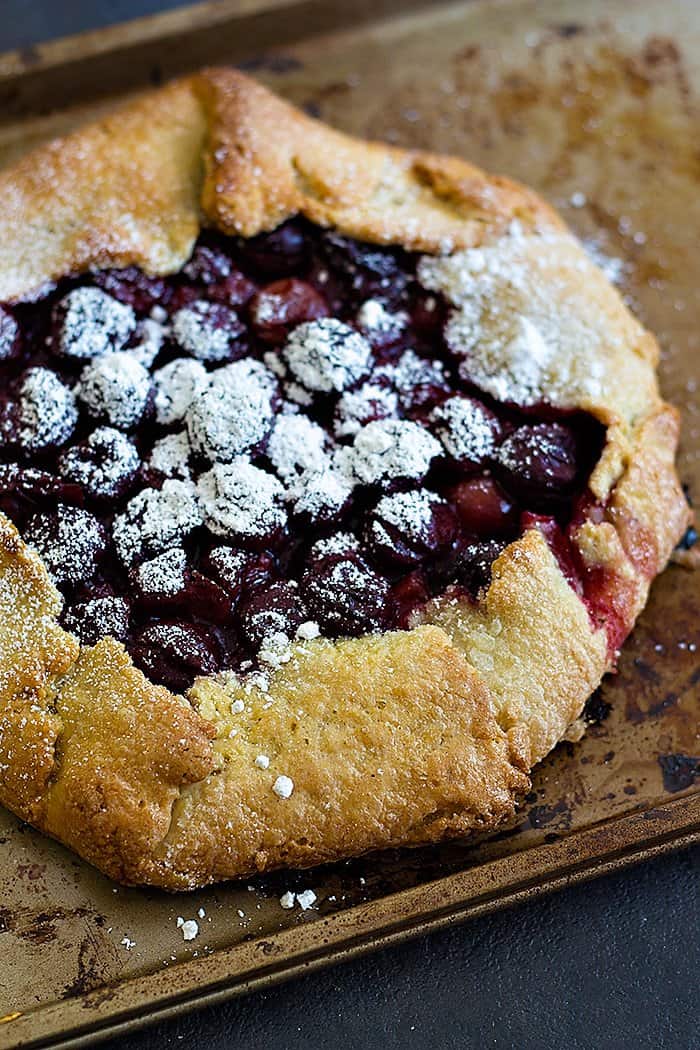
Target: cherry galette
(279, 396)
(332, 478)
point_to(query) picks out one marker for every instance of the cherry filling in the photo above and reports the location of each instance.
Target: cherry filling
(273, 443)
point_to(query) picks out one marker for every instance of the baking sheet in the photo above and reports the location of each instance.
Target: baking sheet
(596, 106)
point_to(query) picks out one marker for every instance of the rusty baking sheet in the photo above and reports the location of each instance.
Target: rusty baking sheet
(596, 105)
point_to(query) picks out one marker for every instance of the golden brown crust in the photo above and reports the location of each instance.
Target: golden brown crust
(406, 737)
(267, 160)
(387, 740)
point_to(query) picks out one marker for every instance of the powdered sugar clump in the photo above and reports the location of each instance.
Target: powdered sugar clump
(91, 322)
(327, 355)
(116, 388)
(466, 429)
(234, 413)
(197, 330)
(523, 323)
(296, 446)
(238, 499)
(170, 456)
(389, 450)
(47, 411)
(156, 519)
(163, 575)
(374, 320)
(177, 383)
(103, 465)
(355, 408)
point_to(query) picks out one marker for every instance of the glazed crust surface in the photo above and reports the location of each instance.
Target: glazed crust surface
(401, 738)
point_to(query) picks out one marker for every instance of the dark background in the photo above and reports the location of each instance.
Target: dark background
(612, 964)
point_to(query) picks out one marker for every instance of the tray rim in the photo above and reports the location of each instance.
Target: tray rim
(599, 849)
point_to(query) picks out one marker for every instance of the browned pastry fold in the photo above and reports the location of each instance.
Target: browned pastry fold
(400, 738)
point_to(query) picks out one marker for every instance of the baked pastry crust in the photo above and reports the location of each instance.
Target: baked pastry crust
(400, 738)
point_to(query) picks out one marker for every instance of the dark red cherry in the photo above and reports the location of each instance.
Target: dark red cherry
(419, 382)
(371, 271)
(209, 331)
(23, 490)
(104, 465)
(468, 430)
(483, 507)
(238, 572)
(208, 264)
(468, 564)
(281, 306)
(539, 462)
(277, 609)
(280, 253)
(70, 541)
(167, 582)
(133, 287)
(406, 596)
(173, 654)
(345, 596)
(406, 527)
(100, 616)
(428, 313)
(211, 267)
(235, 290)
(10, 338)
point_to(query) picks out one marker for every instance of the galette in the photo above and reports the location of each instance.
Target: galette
(332, 478)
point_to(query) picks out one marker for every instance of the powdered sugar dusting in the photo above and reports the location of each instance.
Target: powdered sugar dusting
(177, 384)
(91, 322)
(521, 325)
(47, 411)
(355, 408)
(239, 499)
(116, 388)
(197, 330)
(165, 574)
(388, 450)
(69, 542)
(465, 428)
(321, 494)
(327, 355)
(373, 320)
(170, 456)
(105, 463)
(411, 512)
(296, 445)
(234, 412)
(156, 519)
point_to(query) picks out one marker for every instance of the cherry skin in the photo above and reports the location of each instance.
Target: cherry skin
(282, 252)
(483, 507)
(279, 307)
(173, 653)
(539, 462)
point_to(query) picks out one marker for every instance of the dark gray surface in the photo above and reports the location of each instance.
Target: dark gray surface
(612, 964)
